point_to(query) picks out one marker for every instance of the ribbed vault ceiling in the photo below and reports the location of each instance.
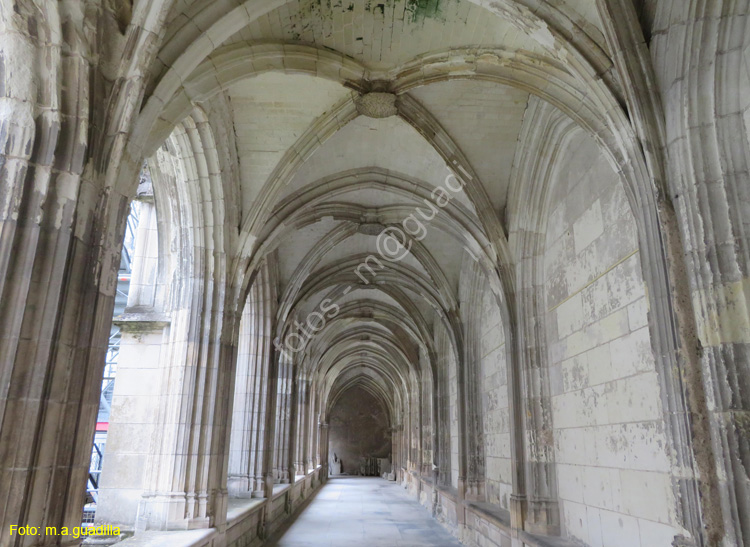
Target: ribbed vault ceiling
(318, 181)
(383, 34)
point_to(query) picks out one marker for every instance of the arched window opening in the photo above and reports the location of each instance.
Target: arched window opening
(135, 243)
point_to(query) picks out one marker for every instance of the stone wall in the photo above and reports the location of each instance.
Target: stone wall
(612, 465)
(358, 428)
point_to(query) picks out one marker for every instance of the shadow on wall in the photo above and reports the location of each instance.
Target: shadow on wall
(359, 435)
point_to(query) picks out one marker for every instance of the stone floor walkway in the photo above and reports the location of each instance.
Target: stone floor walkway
(356, 511)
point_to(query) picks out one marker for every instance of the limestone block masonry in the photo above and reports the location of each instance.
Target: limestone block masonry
(502, 246)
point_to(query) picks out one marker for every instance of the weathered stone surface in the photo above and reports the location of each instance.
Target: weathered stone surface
(517, 229)
(358, 432)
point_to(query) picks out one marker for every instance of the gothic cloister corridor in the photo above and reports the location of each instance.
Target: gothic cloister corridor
(364, 511)
(476, 271)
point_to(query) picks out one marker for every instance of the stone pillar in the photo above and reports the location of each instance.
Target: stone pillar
(518, 497)
(315, 443)
(241, 444)
(312, 431)
(132, 427)
(302, 419)
(260, 409)
(474, 293)
(55, 268)
(396, 457)
(462, 411)
(269, 446)
(281, 452)
(245, 478)
(184, 482)
(442, 425)
(323, 428)
(317, 447)
(291, 459)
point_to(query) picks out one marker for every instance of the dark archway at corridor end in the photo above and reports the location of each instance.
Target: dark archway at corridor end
(359, 435)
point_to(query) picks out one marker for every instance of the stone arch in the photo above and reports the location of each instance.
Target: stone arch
(549, 135)
(189, 194)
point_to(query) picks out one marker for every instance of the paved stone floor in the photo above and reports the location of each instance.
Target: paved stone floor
(365, 511)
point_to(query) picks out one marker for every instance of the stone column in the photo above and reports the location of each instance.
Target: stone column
(461, 410)
(291, 458)
(396, 457)
(323, 428)
(245, 477)
(303, 422)
(55, 273)
(442, 425)
(317, 447)
(473, 293)
(241, 443)
(315, 442)
(284, 435)
(184, 467)
(269, 446)
(263, 366)
(312, 431)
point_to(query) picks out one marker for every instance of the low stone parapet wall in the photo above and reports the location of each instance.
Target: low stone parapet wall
(249, 521)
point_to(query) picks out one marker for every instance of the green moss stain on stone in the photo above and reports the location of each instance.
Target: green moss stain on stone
(419, 10)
